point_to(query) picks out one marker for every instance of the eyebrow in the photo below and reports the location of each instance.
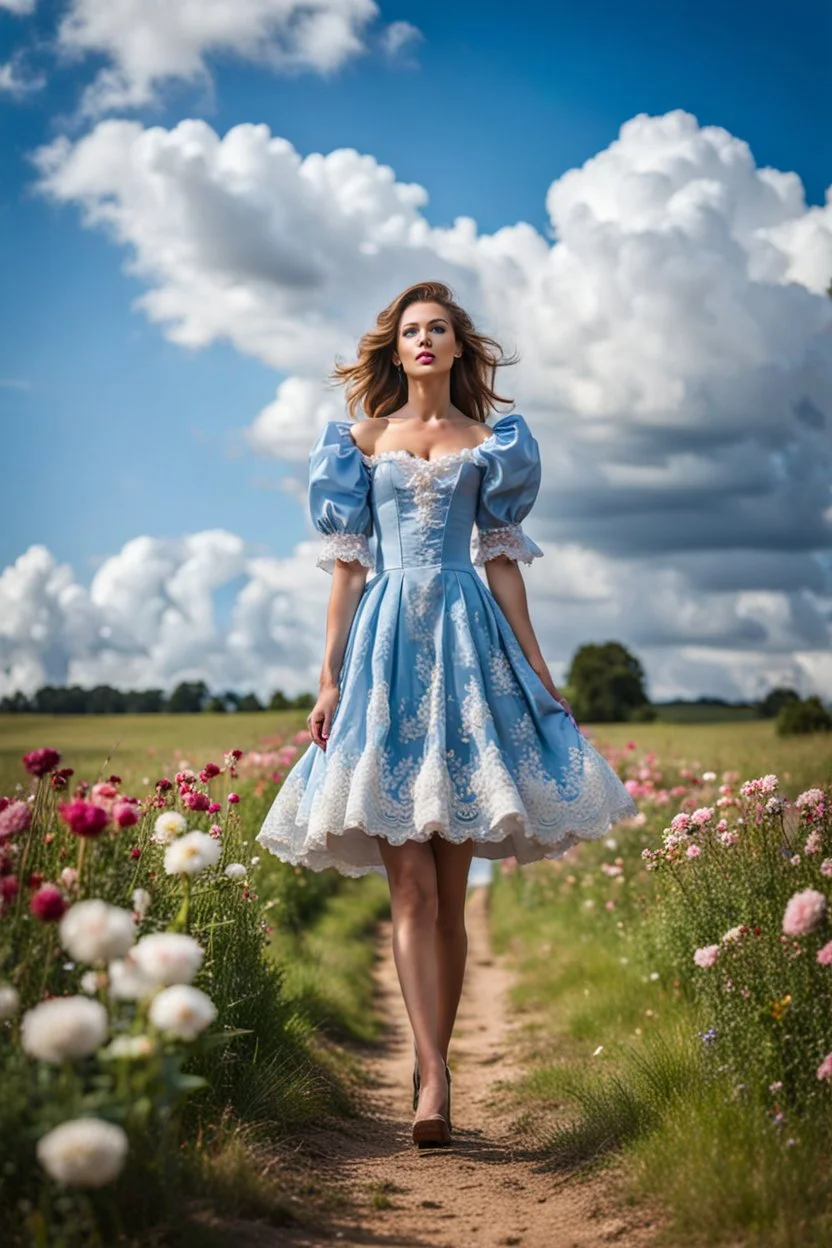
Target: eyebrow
(430, 322)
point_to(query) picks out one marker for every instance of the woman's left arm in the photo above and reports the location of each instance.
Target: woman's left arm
(505, 580)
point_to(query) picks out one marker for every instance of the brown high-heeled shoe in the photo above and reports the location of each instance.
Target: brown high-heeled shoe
(435, 1131)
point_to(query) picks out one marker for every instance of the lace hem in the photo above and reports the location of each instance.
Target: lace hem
(346, 546)
(509, 540)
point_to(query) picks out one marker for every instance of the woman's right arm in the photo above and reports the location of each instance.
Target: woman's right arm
(348, 582)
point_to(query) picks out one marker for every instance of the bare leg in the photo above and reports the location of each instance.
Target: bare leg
(452, 863)
(411, 874)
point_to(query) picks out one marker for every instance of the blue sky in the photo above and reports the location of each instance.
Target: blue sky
(110, 430)
(120, 432)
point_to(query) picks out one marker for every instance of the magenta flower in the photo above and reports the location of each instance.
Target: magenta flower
(15, 819)
(214, 807)
(208, 772)
(702, 816)
(804, 912)
(48, 904)
(40, 762)
(233, 798)
(125, 814)
(195, 801)
(83, 818)
(706, 956)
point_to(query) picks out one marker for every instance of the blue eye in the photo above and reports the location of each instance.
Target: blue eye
(437, 329)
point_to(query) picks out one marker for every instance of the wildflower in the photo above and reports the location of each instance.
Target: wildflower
(680, 822)
(182, 1011)
(130, 1048)
(826, 867)
(166, 958)
(167, 827)
(709, 1036)
(811, 804)
(709, 776)
(164, 785)
(701, 817)
(196, 801)
(233, 799)
(778, 1008)
(48, 904)
(208, 772)
(755, 788)
(814, 844)
(64, 1028)
(90, 983)
(735, 934)
(776, 1086)
(706, 956)
(83, 818)
(9, 1002)
(214, 808)
(776, 805)
(693, 851)
(804, 912)
(191, 854)
(83, 1152)
(127, 980)
(825, 1069)
(795, 860)
(141, 901)
(215, 830)
(93, 931)
(104, 794)
(14, 819)
(824, 955)
(125, 814)
(39, 762)
(235, 871)
(69, 877)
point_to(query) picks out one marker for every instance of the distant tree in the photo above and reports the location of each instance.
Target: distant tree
(188, 698)
(279, 702)
(606, 683)
(16, 704)
(215, 706)
(250, 703)
(770, 705)
(809, 715)
(144, 701)
(104, 700)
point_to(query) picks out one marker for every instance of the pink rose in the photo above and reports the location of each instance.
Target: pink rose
(804, 912)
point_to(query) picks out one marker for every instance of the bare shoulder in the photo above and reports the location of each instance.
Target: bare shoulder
(365, 433)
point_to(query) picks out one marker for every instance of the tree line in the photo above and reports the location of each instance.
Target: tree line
(605, 684)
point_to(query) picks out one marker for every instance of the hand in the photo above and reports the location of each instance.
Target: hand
(319, 719)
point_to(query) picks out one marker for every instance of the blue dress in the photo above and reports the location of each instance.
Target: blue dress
(442, 725)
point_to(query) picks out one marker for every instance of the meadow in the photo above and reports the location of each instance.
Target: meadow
(210, 1000)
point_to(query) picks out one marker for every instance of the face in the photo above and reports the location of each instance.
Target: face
(426, 342)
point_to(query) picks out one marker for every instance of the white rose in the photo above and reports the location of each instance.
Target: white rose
(141, 901)
(84, 1152)
(64, 1028)
(235, 871)
(167, 827)
(191, 854)
(182, 1011)
(133, 1048)
(127, 980)
(9, 1002)
(168, 958)
(93, 931)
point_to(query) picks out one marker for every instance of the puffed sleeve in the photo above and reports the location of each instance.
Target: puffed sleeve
(508, 489)
(339, 497)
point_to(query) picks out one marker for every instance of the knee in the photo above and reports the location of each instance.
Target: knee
(414, 896)
(450, 924)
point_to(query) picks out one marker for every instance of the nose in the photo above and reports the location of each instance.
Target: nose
(424, 338)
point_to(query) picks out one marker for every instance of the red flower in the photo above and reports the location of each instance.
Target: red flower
(59, 777)
(196, 801)
(15, 819)
(164, 784)
(9, 887)
(114, 779)
(39, 762)
(233, 798)
(208, 772)
(48, 904)
(214, 807)
(83, 818)
(125, 814)
(135, 853)
(35, 879)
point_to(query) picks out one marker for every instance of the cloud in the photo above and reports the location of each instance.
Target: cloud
(149, 620)
(17, 81)
(20, 8)
(675, 338)
(159, 41)
(399, 36)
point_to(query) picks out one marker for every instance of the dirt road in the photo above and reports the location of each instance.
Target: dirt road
(491, 1188)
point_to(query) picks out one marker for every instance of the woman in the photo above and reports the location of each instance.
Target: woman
(438, 732)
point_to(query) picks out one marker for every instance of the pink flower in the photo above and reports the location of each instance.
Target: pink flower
(208, 772)
(83, 818)
(804, 912)
(39, 762)
(195, 801)
(214, 807)
(814, 844)
(693, 851)
(706, 956)
(825, 954)
(680, 822)
(233, 798)
(825, 1068)
(15, 819)
(125, 814)
(702, 816)
(215, 830)
(48, 904)
(104, 794)
(826, 867)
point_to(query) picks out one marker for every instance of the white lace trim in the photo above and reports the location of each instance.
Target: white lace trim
(346, 546)
(464, 452)
(509, 540)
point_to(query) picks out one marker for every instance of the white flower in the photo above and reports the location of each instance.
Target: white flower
(168, 826)
(128, 982)
(132, 1048)
(93, 931)
(192, 854)
(167, 958)
(733, 935)
(255, 860)
(141, 901)
(64, 1028)
(9, 1002)
(84, 1152)
(182, 1011)
(89, 983)
(235, 871)
(709, 776)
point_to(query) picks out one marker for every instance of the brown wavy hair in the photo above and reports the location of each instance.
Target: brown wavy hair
(375, 383)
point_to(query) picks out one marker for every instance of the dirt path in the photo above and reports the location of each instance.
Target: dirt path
(490, 1189)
